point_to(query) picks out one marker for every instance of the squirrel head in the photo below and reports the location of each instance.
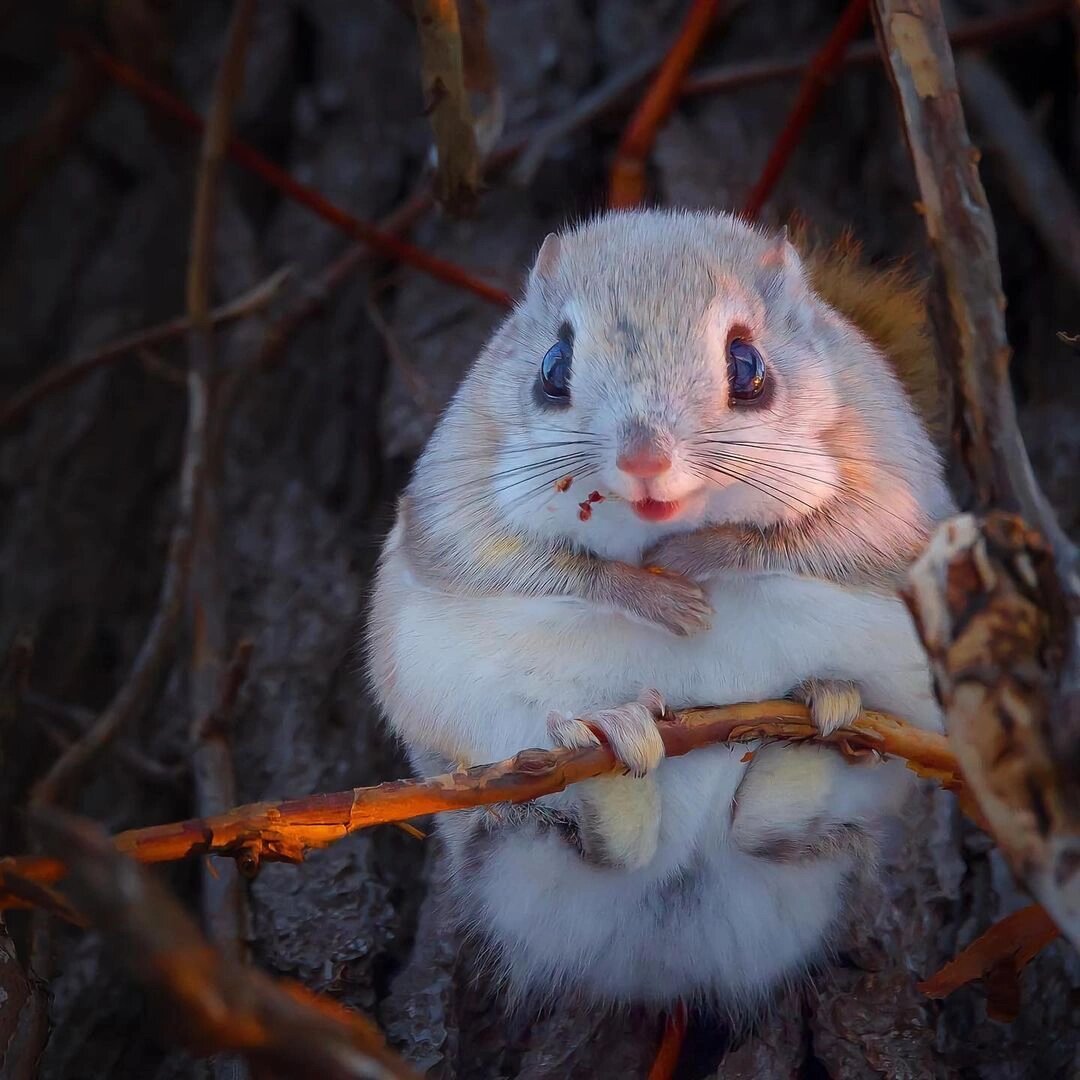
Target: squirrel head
(668, 370)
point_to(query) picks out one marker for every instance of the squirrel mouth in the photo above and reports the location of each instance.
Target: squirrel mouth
(654, 510)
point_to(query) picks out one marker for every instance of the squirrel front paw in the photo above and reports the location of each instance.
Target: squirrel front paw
(668, 600)
(833, 703)
(630, 731)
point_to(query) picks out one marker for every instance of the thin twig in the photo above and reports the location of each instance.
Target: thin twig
(627, 186)
(246, 155)
(818, 75)
(29, 160)
(419, 389)
(596, 102)
(671, 1043)
(63, 376)
(610, 94)
(972, 32)
(132, 697)
(314, 300)
(223, 901)
(286, 831)
(213, 1003)
(79, 720)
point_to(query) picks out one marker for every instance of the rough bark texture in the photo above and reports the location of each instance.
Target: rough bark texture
(320, 446)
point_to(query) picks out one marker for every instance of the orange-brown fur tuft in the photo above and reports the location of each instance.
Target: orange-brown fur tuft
(888, 305)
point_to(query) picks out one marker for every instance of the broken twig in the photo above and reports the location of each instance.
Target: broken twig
(998, 614)
(996, 958)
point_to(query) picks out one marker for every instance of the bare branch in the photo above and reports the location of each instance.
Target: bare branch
(213, 1003)
(1000, 621)
(246, 155)
(286, 831)
(62, 376)
(971, 320)
(223, 901)
(821, 69)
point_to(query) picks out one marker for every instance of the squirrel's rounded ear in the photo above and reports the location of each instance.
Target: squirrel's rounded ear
(547, 261)
(781, 254)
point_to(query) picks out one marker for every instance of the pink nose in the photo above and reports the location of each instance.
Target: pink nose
(644, 461)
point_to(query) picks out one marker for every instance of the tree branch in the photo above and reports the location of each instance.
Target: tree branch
(821, 69)
(442, 68)
(287, 831)
(60, 377)
(246, 155)
(997, 608)
(223, 901)
(214, 1004)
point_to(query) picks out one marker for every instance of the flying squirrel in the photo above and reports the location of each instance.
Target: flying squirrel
(690, 467)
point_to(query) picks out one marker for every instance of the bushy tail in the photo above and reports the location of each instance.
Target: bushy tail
(888, 305)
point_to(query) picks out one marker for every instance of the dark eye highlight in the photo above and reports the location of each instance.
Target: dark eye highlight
(746, 371)
(555, 369)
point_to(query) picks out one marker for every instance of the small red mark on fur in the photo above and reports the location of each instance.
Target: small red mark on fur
(563, 483)
(748, 756)
(586, 507)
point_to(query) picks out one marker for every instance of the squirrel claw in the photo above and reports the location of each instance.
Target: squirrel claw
(630, 731)
(833, 703)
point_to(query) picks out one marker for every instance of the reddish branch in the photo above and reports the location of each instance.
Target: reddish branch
(246, 155)
(996, 958)
(818, 75)
(671, 1043)
(62, 376)
(213, 1003)
(628, 171)
(971, 32)
(287, 831)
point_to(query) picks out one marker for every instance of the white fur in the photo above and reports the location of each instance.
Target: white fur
(474, 679)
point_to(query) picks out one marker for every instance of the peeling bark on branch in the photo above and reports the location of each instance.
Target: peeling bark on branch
(989, 609)
(999, 621)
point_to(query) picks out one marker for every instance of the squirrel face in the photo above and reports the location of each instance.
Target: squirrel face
(679, 371)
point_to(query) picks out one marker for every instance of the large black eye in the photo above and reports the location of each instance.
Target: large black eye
(746, 371)
(555, 369)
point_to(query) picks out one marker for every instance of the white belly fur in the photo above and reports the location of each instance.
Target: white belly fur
(473, 680)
